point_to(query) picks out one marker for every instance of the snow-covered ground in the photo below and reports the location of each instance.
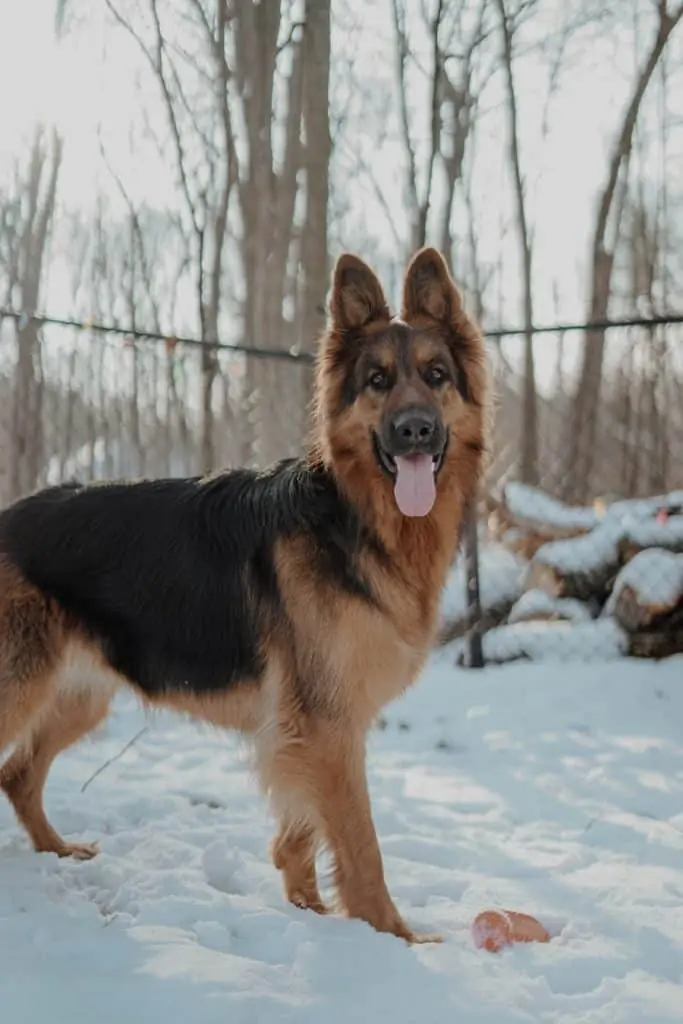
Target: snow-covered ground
(554, 790)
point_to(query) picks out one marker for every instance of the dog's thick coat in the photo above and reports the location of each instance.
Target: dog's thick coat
(290, 604)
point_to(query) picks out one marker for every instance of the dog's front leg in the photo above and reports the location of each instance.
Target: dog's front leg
(293, 854)
(343, 806)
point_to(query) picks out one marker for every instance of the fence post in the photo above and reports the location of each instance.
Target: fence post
(474, 644)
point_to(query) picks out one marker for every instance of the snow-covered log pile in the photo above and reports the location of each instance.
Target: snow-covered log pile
(527, 519)
(564, 583)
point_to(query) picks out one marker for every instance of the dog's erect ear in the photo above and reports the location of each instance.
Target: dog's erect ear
(428, 289)
(357, 298)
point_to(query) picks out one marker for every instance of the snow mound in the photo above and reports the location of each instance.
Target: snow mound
(500, 580)
(542, 640)
(654, 575)
(649, 533)
(536, 604)
(635, 509)
(535, 506)
(588, 553)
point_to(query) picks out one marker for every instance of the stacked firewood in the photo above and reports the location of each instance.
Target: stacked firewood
(594, 582)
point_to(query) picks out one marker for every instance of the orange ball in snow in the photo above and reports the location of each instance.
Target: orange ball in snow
(494, 929)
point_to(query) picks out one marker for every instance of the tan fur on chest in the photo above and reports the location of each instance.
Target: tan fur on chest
(372, 662)
(357, 656)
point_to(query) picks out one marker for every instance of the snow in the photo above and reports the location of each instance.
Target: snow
(649, 533)
(655, 575)
(599, 548)
(631, 522)
(588, 553)
(537, 603)
(644, 508)
(500, 582)
(535, 506)
(543, 640)
(547, 789)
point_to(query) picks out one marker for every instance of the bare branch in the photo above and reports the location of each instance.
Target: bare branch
(587, 399)
(402, 53)
(435, 120)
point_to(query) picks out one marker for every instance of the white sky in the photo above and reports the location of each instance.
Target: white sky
(89, 82)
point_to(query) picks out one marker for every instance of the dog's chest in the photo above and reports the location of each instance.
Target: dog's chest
(371, 662)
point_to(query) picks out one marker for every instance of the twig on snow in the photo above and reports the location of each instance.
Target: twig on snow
(116, 757)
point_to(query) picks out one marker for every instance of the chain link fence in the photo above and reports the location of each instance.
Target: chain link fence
(92, 402)
(557, 565)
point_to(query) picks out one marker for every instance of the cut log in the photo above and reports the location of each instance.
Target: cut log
(647, 590)
(625, 558)
(587, 566)
(526, 519)
(663, 640)
(582, 567)
(530, 506)
(657, 644)
(665, 533)
(538, 605)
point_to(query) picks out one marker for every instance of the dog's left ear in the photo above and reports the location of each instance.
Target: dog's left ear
(429, 290)
(356, 299)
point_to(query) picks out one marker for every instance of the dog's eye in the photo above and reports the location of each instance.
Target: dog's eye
(434, 376)
(379, 380)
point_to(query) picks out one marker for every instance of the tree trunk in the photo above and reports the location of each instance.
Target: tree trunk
(529, 456)
(257, 28)
(318, 148)
(587, 399)
(27, 441)
(218, 225)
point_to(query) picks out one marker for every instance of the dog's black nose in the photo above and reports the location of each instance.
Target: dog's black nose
(413, 428)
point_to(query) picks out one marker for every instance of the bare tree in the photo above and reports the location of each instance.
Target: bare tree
(204, 155)
(605, 234)
(283, 212)
(126, 268)
(33, 205)
(254, 190)
(529, 456)
(317, 155)
(268, 193)
(448, 67)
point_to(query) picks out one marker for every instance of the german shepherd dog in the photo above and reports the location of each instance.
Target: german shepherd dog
(290, 604)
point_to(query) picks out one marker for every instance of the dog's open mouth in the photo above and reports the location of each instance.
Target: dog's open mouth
(414, 477)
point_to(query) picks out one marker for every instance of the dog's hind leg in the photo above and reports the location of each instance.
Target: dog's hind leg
(34, 715)
(29, 650)
(68, 718)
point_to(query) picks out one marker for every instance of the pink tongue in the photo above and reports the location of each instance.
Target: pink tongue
(414, 490)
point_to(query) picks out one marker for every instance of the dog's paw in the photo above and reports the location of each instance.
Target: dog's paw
(307, 902)
(79, 851)
(416, 938)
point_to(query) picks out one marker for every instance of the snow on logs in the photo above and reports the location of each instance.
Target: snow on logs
(594, 583)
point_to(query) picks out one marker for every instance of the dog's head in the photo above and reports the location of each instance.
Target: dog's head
(400, 402)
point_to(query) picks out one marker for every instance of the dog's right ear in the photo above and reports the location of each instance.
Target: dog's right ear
(356, 299)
